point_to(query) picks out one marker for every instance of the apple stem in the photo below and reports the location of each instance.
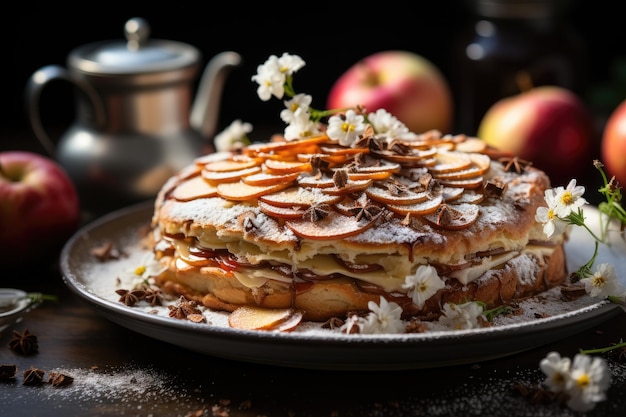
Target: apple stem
(524, 81)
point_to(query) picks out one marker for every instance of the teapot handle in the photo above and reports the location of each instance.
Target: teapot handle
(37, 81)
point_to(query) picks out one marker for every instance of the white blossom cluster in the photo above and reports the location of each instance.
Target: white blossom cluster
(584, 381)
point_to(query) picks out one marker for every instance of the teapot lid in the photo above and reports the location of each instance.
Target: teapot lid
(135, 56)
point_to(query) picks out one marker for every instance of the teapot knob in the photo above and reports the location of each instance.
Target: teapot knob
(137, 31)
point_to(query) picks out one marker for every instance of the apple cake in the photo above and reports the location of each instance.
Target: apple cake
(324, 228)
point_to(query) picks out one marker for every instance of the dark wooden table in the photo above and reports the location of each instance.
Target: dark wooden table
(119, 372)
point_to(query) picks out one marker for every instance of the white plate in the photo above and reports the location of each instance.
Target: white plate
(310, 346)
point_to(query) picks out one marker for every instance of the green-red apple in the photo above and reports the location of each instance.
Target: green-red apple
(405, 84)
(613, 147)
(548, 125)
(39, 208)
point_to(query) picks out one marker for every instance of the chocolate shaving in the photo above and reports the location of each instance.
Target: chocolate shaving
(58, 379)
(494, 189)
(340, 178)
(105, 252)
(8, 372)
(33, 376)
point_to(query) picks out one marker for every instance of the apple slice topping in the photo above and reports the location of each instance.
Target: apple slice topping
(232, 164)
(294, 212)
(263, 178)
(471, 145)
(347, 188)
(451, 161)
(192, 188)
(279, 167)
(469, 183)
(469, 197)
(329, 225)
(269, 319)
(298, 197)
(425, 207)
(218, 177)
(315, 181)
(395, 195)
(453, 217)
(239, 191)
(450, 193)
(290, 147)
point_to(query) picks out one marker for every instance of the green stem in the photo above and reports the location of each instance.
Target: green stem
(622, 344)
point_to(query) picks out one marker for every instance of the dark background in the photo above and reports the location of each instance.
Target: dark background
(328, 37)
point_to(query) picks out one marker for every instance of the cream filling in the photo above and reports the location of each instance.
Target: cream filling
(326, 265)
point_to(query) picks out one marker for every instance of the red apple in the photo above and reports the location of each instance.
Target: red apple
(405, 84)
(39, 208)
(613, 146)
(549, 126)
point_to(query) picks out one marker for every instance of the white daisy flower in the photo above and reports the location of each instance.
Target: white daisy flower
(603, 282)
(147, 268)
(299, 101)
(234, 136)
(289, 64)
(383, 318)
(301, 126)
(423, 284)
(346, 128)
(385, 123)
(588, 382)
(556, 370)
(548, 216)
(271, 79)
(462, 316)
(569, 199)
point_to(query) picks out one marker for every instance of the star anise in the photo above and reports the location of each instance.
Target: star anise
(58, 379)
(25, 343)
(7, 372)
(316, 212)
(33, 376)
(514, 164)
(154, 296)
(183, 308)
(130, 297)
(365, 209)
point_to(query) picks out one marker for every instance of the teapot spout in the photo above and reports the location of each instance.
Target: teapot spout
(205, 109)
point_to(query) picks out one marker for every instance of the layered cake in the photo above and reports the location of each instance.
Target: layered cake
(355, 211)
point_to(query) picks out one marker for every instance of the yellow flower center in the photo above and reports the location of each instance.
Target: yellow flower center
(583, 381)
(347, 127)
(140, 270)
(599, 281)
(567, 198)
(551, 214)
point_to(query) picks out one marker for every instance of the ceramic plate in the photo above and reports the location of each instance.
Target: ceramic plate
(310, 346)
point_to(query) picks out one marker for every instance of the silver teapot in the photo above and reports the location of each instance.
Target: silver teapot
(136, 124)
